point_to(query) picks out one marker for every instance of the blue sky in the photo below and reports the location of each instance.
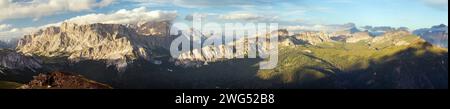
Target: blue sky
(23, 15)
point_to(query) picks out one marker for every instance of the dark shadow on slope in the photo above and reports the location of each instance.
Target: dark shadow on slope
(403, 70)
(238, 73)
(142, 74)
(322, 60)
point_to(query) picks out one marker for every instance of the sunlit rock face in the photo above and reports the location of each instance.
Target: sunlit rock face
(314, 38)
(116, 44)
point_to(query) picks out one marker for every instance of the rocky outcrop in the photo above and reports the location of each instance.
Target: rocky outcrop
(154, 28)
(359, 36)
(213, 53)
(397, 38)
(114, 43)
(314, 38)
(61, 80)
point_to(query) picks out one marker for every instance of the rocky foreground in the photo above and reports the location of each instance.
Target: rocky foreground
(62, 80)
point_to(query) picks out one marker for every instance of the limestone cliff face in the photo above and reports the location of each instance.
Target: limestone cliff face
(154, 28)
(314, 38)
(395, 38)
(214, 53)
(114, 43)
(199, 57)
(359, 36)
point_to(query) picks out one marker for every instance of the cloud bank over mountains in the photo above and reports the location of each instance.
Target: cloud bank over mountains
(123, 16)
(4, 26)
(246, 16)
(126, 17)
(11, 9)
(209, 3)
(299, 15)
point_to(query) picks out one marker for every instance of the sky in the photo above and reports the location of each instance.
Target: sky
(19, 17)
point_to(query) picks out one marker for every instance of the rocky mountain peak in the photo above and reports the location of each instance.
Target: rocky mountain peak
(314, 38)
(154, 28)
(116, 44)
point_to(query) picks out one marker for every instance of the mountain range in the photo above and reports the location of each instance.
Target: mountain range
(113, 43)
(136, 56)
(437, 35)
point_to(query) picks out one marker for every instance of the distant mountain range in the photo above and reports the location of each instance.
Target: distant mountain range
(137, 56)
(377, 31)
(437, 35)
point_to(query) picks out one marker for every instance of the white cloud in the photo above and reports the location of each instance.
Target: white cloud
(105, 3)
(247, 17)
(438, 4)
(125, 17)
(4, 26)
(190, 17)
(11, 9)
(10, 32)
(208, 3)
(305, 28)
(319, 27)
